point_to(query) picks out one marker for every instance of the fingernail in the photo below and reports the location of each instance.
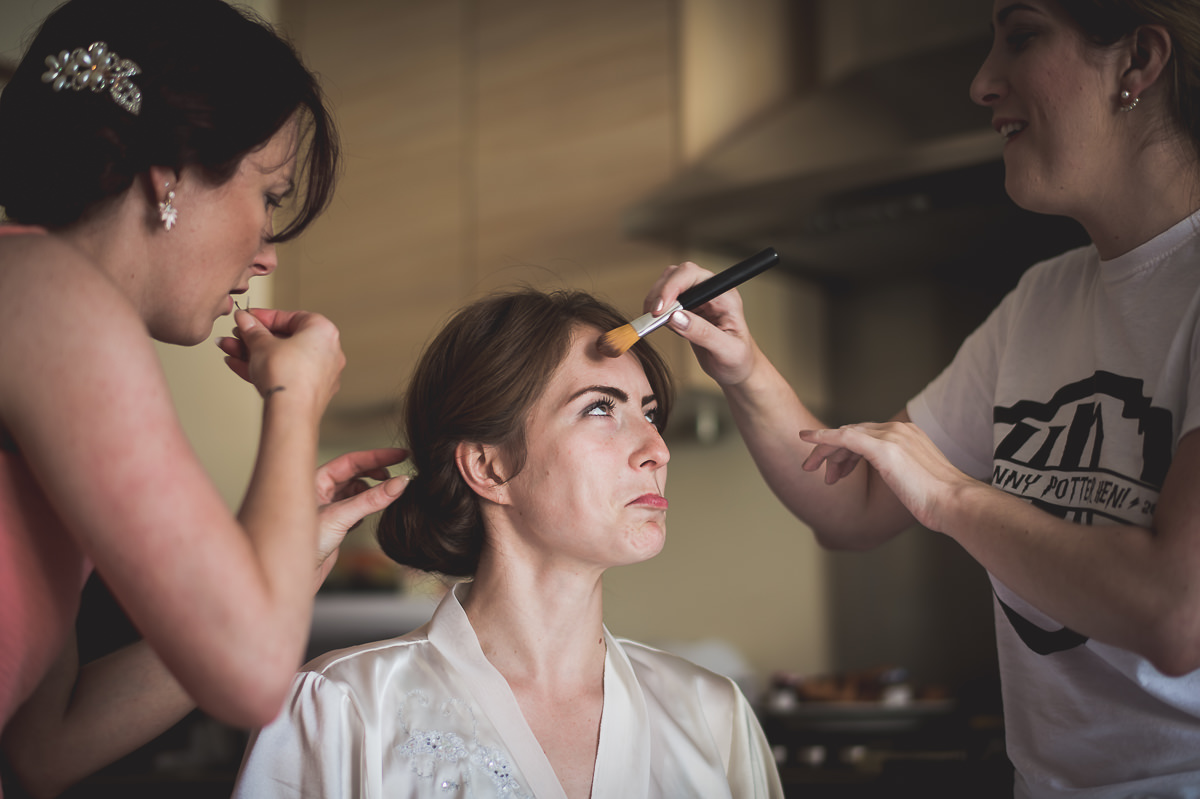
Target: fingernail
(395, 486)
(245, 320)
(658, 306)
(680, 321)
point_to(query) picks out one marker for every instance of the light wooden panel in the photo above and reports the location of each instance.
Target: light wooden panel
(576, 121)
(738, 61)
(487, 144)
(385, 263)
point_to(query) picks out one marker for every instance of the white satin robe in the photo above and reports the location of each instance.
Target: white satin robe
(426, 715)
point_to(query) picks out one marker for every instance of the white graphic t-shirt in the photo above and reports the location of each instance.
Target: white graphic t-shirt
(1074, 395)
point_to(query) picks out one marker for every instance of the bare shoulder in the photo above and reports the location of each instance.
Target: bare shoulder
(37, 262)
(61, 317)
(22, 249)
(47, 285)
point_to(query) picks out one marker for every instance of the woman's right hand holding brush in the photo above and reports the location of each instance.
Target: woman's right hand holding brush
(768, 413)
(716, 330)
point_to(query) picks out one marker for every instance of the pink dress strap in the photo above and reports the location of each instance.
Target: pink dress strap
(12, 229)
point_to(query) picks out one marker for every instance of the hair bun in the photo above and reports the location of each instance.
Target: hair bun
(422, 530)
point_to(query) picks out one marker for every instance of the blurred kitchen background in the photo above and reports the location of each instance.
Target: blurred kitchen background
(589, 145)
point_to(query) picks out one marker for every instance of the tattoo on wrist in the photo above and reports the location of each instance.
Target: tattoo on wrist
(273, 390)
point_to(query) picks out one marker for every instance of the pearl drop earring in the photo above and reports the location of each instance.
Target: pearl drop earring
(167, 212)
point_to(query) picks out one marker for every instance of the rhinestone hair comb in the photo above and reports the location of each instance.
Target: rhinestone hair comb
(98, 69)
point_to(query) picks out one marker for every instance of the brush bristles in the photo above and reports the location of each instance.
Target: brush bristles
(617, 342)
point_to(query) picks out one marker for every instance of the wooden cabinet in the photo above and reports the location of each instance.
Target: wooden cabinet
(486, 145)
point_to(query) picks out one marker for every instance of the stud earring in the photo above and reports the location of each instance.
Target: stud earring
(1126, 103)
(167, 212)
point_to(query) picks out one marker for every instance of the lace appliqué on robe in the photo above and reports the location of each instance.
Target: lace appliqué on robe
(444, 758)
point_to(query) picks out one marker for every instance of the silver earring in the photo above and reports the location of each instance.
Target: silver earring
(167, 212)
(1126, 103)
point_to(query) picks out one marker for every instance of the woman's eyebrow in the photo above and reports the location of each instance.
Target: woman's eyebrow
(1003, 14)
(611, 391)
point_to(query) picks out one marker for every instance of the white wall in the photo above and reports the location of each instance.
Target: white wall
(18, 22)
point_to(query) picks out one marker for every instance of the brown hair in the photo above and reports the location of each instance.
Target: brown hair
(217, 83)
(477, 381)
(1105, 22)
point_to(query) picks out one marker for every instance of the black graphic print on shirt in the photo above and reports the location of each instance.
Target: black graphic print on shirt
(1097, 451)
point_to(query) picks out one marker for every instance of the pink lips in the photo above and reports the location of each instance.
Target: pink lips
(656, 501)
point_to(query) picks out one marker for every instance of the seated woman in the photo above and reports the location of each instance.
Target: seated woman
(539, 464)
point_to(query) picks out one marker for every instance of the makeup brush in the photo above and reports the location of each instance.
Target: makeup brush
(616, 342)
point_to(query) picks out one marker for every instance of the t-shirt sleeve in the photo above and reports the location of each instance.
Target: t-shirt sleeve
(955, 409)
(1191, 415)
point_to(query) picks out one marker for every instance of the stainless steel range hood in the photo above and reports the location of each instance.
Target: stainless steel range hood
(891, 169)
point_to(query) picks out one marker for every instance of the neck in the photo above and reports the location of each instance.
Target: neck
(1146, 196)
(113, 236)
(537, 624)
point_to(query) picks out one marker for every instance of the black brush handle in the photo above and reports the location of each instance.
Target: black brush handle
(733, 276)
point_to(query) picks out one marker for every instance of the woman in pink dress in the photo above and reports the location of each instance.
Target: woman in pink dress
(144, 149)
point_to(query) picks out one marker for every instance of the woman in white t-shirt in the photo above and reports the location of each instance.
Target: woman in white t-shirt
(1058, 448)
